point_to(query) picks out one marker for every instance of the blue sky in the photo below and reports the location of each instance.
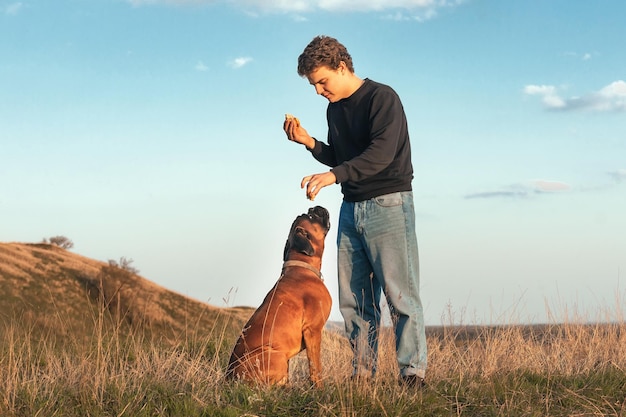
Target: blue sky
(151, 130)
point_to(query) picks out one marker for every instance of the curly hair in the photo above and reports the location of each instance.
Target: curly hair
(323, 51)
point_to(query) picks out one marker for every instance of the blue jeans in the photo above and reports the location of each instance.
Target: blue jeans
(377, 253)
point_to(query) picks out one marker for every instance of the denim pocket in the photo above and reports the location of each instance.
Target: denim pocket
(389, 200)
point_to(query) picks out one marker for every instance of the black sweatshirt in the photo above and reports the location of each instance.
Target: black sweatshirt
(368, 143)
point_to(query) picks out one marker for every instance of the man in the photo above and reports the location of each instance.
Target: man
(369, 154)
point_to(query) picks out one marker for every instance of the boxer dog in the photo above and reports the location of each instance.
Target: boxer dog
(293, 313)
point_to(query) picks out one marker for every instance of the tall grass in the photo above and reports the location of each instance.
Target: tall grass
(569, 368)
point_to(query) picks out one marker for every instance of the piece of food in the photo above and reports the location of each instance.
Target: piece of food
(292, 117)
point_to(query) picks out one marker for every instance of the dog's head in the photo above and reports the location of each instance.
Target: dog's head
(308, 232)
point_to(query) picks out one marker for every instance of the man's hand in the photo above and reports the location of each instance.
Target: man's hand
(314, 183)
(297, 133)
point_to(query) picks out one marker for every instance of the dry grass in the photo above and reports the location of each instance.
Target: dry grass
(557, 349)
(559, 369)
(117, 367)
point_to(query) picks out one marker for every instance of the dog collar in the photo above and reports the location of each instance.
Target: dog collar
(303, 265)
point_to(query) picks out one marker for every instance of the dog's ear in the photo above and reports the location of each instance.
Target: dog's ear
(288, 243)
(286, 251)
(297, 241)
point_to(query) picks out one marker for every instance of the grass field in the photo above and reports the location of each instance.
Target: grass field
(83, 338)
(551, 370)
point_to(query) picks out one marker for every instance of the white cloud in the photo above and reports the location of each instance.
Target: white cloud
(548, 93)
(378, 5)
(616, 89)
(609, 98)
(240, 62)
(13, 8)
(425, 9)
(540, 89)
(138, 3)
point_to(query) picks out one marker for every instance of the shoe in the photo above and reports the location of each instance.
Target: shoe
(412, 381)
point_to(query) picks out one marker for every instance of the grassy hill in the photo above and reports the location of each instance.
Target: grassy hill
(47, 291)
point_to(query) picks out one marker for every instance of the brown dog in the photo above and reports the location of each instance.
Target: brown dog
(293, 313)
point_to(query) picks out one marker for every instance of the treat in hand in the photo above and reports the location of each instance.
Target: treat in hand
(292, 117)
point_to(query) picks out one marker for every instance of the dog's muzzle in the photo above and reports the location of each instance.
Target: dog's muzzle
(319, 214)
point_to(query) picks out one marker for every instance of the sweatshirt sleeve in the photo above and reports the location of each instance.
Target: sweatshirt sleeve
(324, 153)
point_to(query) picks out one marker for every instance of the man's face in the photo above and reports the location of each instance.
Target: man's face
(329, 83)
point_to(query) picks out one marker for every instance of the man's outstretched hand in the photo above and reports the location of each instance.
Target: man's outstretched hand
(314, 183)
